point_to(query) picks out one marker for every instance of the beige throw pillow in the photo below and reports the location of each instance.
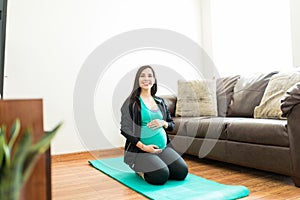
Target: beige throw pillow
(269, 106)
(196, 98)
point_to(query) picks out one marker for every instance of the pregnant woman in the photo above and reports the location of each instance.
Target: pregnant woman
(144, 121)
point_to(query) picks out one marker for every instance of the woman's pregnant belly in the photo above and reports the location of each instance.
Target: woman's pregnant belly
(157, 137)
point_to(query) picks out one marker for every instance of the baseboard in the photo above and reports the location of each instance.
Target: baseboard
(87, 154)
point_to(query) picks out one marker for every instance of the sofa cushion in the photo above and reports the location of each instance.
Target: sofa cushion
(204, 127)
(209, 148)
(247, 94)
(265, 157)
(180, 127)
(279, 84)
(196, 98)
(225, 87)
(259, 131)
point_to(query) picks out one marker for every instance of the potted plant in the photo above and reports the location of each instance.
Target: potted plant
(18, 156)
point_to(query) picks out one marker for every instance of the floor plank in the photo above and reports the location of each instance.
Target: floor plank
(73, 179)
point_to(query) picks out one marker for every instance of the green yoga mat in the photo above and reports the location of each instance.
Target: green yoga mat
(193, 187)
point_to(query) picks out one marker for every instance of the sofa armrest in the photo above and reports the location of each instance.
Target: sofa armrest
(290, 106)
(170, 101)
(290, 99)
(294, 140)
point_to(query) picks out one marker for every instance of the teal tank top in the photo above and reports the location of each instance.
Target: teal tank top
(158, 136)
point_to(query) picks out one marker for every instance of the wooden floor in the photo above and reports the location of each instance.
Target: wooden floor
(74, 179)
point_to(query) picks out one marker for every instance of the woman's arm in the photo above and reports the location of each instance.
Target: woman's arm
(127, 123)
(148, 148)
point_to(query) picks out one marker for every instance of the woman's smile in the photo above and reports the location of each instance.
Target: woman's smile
(146, 79)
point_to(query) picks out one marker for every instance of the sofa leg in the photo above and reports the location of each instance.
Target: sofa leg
(296, 181)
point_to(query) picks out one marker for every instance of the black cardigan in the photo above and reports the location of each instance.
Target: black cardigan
(131, 125)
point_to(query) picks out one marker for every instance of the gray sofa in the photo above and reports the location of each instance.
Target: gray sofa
(235, 136)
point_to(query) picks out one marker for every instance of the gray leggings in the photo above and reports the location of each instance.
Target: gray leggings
(158, 168)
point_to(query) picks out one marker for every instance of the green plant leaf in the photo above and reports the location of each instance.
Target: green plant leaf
(3, 130)
(36, 150)
(44, 143)
(15, 130)
(1, 149)
(14, 175)
(7, 154)
(6, 149)
(21, 149)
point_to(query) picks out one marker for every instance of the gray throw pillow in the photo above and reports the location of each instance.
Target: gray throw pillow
(247, 94)
(225, 87)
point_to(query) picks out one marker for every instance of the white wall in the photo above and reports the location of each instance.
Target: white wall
(48, 42)
(251, 35)
(295, 23)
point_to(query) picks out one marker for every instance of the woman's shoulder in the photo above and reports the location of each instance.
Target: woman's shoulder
(158, 99)
(126, 103)
(165, 99)
(129, 102)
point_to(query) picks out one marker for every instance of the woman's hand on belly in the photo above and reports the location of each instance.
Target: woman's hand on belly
(157, 123)
(151, 148)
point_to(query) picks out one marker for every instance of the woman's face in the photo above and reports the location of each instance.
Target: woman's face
(146, 79)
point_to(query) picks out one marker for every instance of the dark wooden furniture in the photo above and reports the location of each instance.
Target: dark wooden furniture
(30, 113)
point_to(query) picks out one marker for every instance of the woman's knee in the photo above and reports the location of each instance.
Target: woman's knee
(183, 172)
(157, 177)
(178, 170)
